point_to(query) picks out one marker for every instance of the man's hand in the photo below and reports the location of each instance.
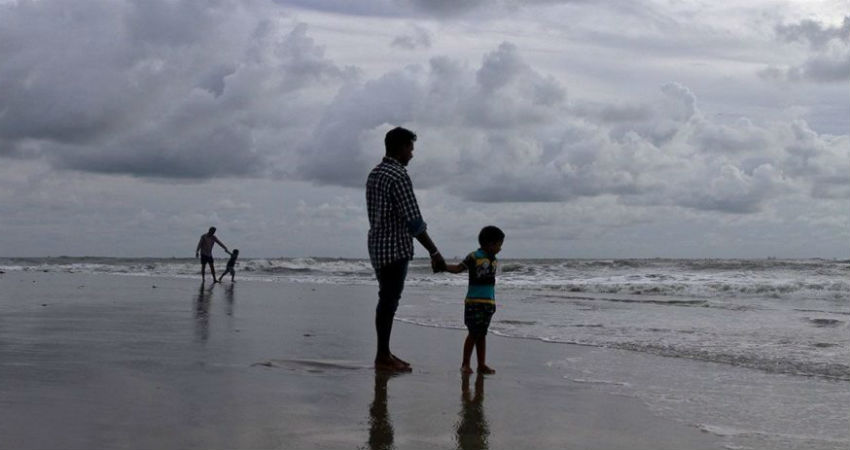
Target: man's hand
(438, 264)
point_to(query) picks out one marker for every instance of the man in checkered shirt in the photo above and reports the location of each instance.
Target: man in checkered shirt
(394, 220)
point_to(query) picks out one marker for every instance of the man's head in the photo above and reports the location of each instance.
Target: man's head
(212, 231)
(491, 238)
(399, 144)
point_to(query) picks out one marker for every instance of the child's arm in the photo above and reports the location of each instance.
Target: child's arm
(461, 266)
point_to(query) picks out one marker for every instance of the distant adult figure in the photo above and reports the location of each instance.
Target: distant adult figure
(204, 250)
(394, 220)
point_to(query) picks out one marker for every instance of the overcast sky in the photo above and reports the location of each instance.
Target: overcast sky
(607, 129)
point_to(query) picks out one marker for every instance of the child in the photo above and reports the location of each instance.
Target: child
(230, 264)
(480, 303)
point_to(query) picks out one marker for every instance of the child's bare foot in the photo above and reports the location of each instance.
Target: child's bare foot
(465, 369)
(486, 370)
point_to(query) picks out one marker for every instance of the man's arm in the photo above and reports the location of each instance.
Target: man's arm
(221, 245)
(405, 201)
(198, 248)
(438, 264)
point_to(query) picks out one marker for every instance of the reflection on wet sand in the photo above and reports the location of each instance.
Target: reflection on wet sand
(229, 299)
(380, 425)
(202, 313)
(472, 428)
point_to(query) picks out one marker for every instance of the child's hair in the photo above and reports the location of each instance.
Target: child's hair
(490, 235)
(235, 251)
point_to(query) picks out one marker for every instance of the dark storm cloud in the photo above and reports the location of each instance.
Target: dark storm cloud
(815, 33)
(416, 38)
(430, 8)
(192, 152)
(381, 8)
(823, 68)
(741, 136)
(447, 7)
(156, 88)
(388, 8)
(41, 96)
(613, 113)
(335, 154)
(729, 189)
(829, 58)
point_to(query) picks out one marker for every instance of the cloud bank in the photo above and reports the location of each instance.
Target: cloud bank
(195, 90)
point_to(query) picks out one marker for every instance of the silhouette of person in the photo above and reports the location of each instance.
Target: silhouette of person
(472, 428)
(394, 220)
(230, 299)
(202, 313)
(231, 266)
(381, 432)
(204, 250)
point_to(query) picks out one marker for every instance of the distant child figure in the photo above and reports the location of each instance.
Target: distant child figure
(231, 263)
(480, 303)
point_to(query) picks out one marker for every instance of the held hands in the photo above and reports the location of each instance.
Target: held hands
(438, 264)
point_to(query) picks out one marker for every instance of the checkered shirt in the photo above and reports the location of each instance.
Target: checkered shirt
(394, 217)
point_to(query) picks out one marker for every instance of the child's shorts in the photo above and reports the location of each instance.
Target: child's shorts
(476, 317)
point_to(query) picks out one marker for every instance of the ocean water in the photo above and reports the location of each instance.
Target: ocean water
(779, 330)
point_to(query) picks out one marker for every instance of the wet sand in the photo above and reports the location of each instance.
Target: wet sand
(102, 361)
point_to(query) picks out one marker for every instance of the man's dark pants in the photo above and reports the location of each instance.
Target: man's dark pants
(390, 284)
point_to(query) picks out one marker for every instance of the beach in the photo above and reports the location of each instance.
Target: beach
(138, 362)
(637, 210)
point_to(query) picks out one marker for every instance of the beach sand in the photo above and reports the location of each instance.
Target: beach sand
(108, 361)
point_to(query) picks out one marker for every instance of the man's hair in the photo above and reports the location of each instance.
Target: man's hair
(212, 230)
(490, 235)
(397, 138)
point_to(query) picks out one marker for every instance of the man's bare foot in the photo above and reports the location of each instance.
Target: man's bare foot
(465, 369)
(391, 365)
(399, 360)
(486, 370)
